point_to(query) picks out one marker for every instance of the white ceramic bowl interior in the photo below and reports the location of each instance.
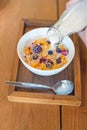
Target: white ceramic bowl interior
(42, 33)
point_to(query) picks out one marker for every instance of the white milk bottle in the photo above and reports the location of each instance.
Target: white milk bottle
(73, 19)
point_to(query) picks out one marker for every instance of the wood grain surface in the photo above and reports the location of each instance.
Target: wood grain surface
(23, 116)
(20, 116)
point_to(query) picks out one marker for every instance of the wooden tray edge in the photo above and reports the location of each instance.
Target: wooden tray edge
(12, 96)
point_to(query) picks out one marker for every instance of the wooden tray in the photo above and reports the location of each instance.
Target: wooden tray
(41, 96)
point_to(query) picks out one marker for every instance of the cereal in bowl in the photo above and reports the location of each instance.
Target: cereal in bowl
(39, 55)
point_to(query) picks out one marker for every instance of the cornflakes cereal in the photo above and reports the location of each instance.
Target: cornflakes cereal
(39, 54)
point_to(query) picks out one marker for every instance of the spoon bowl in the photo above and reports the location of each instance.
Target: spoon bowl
(63, 87)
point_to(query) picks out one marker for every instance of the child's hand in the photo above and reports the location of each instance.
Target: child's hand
(70, 2)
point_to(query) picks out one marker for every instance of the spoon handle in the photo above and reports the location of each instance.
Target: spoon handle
(26, 85)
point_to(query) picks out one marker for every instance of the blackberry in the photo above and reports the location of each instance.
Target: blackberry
(58, 60)
(42, 59)
(58, 50)
(48, 64)
(37, 49)
(35, 56)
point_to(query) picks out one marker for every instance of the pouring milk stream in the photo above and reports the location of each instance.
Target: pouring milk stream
(73, 19)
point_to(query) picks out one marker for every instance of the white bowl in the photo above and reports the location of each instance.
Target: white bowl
(37, 34)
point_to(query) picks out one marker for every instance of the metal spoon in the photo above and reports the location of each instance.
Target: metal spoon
(63, 87)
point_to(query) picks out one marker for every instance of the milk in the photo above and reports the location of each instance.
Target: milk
(71, 21)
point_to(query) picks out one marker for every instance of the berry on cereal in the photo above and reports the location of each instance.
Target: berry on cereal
(58, 50)
(35, 56)
(42, 59)
(58, 60)
(64, 52)
(37, 49)
(39, 55)
(48, 64)
(50, 52)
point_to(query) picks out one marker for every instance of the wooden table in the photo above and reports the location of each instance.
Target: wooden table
(23, 116)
